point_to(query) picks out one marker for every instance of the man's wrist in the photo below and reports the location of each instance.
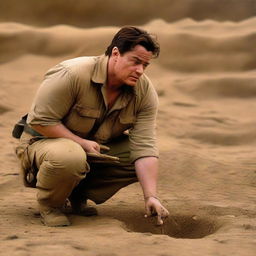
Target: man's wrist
(147, 197)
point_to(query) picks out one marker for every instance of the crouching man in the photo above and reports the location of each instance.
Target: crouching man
(83, 107)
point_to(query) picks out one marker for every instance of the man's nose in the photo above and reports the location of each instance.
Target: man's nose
(139, 69)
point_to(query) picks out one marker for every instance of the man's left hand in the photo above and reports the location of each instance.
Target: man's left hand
(155, 208)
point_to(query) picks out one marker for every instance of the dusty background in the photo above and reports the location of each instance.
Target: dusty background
(205, 78)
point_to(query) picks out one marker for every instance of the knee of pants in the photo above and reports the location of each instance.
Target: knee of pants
(69, 157)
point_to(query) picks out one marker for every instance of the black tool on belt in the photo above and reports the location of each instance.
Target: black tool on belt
(22, 126)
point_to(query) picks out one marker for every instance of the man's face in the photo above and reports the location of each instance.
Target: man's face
(129, 66)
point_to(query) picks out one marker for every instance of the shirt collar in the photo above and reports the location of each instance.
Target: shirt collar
(99, 75)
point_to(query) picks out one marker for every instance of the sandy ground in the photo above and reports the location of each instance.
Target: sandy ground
(205, 78)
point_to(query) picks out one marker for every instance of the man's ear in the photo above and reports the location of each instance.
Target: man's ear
(115, 52)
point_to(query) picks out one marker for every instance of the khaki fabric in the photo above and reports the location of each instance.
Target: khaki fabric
(60, 167)
(73, 93)
(104, 180)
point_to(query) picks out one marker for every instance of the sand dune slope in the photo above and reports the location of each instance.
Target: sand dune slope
(121, 12)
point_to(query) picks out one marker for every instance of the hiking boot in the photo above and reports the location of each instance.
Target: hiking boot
(53, 217)
(81, 208)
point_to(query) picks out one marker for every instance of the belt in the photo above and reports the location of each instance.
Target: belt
(31, 131)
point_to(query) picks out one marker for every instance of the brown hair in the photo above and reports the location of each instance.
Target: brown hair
(128, 37)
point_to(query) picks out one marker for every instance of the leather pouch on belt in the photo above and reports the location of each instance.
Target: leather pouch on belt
(19, 127)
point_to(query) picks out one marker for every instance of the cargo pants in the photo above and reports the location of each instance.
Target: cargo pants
(62, 170)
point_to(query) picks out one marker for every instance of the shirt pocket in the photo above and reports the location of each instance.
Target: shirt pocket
(127, 120)
(124, 123)
(81, 119)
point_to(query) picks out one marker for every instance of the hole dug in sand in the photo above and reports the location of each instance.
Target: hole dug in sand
(191, 227)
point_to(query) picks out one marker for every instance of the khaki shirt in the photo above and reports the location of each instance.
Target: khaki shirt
(74, 93)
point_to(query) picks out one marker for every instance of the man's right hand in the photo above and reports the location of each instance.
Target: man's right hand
(90, 146)
(60, 131)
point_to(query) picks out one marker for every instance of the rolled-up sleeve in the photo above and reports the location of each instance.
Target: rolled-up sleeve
(54, 98)
(143, 135)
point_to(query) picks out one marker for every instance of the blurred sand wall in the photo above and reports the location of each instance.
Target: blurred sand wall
(93, 13)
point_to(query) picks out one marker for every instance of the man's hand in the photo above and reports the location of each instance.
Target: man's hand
(61, 131)
(155, 208)
(90, 146)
